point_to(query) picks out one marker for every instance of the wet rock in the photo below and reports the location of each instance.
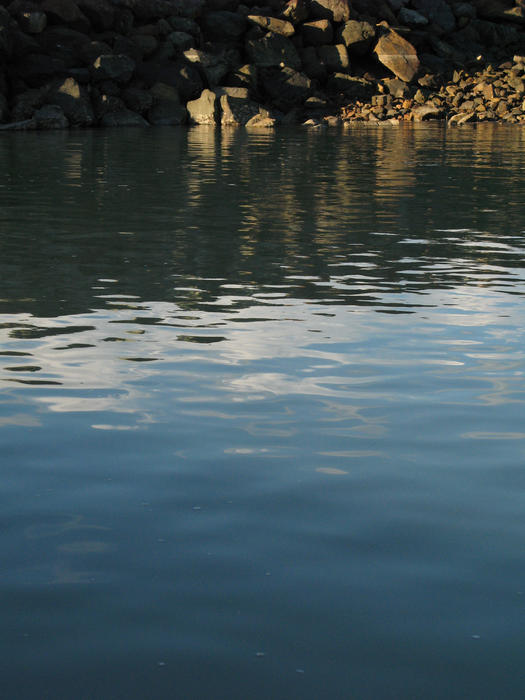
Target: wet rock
(237, 111)
(334, 10)
(357, 36)
(261, 121)
(317, 33)
(272, 24)
(123, 118)
(425, 112)
(273, 50)
(398, 55)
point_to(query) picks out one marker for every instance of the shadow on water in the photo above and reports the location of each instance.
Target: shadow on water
(174, 215)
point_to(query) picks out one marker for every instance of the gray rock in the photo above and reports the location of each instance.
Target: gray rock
(137, 100)
(74, 101)
(223, 26)
(237, 111)
(123, 118)
(100, 13)
(396, 87)
(437, 11)
(286, 88)
(213, 67)
(334, 10)
(335, 58)
(313, 67)
(357, 36)
(273, 50)
(50, 117)
(205, 109)
(66, 12)
(317, 33)
(181, 41)
(32, 22)
(166, 109)
(412, 18)
(117, 67)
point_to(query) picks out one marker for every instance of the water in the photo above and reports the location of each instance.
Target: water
(261, 410)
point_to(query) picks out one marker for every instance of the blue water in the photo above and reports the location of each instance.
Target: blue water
(261, 414)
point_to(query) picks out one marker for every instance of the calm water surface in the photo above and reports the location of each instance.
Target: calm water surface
(262, 414)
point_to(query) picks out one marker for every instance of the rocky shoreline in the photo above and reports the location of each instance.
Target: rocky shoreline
(90, 63)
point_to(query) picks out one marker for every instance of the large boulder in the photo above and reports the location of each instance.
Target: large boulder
(273, 50)
(398, 55)
(334, 10)
(335, 58)
(167, 109)
(213, 67)
(50, 117)
(205, 109)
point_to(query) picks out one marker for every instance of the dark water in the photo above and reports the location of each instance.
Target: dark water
(262, 414)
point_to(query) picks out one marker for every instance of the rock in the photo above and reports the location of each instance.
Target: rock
(312, 64)
(237, 111)
(205, 109)
(412, 18)
(212, 66)
(296, 11)
(36, 69)
(273, 50)
(437, 11)
(74, 101)
(91, 50)
(357, 36)
(117, 67)
(286, 88)
(50, 117)
(398, 55)
(66, 12)
(167, 109)
(223, 26)
(425, 112)
(137, 100)
(32, 22)
(261, 121)
(317, 32)
(26, 103)
(123, 118)
(334, 10)
(245, 76)
(350, 86)
(181, 41)
(395, 87)
(335, 58)
(104, 104)
(271, 24)
(184, 24)
(100, 13)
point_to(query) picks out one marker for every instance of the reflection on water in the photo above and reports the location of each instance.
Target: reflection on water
(261, 413)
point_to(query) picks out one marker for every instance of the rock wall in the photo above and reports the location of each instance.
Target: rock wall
(84, 63)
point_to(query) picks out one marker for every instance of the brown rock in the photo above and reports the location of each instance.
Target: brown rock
(295, 10)
(398, 55)
(271, 24)
(334, 10)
